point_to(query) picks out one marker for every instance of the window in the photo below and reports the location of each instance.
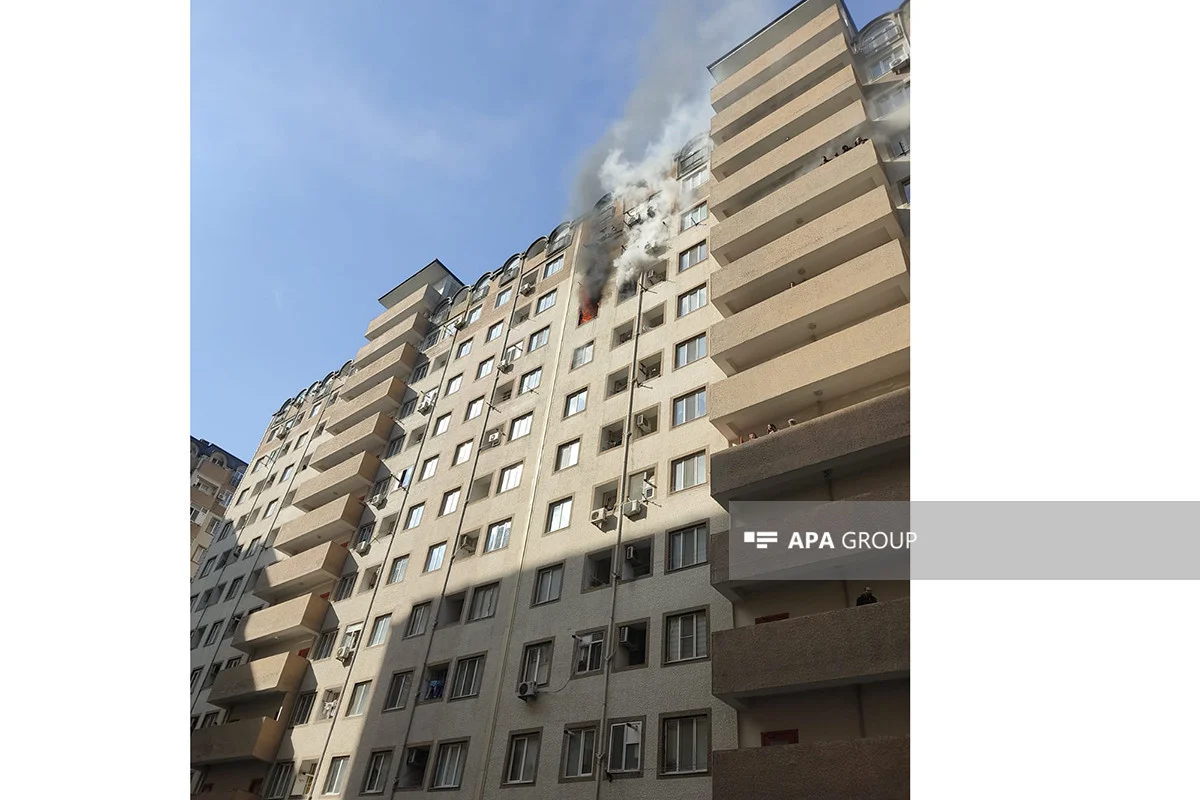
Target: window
(691, 350)
(379, 630)
(399, 567)
(441, 425)
(316, 407)
(696, 298)
(304, 706)
(589, 652)
(300, 441)
(454, 384)
(552, 267)
(546, 301)
(324, 648)
(409, 407)
(429, 468)
(539, 338)
(497, 536)
(397, 693)
(582, 354)
(364, 534)
(568, 455)
(576, 402)
(419, 372)
(195, 677)
(695, 180)
(462, 453)
(901, 145)
(336, 776)
(418, 620)
(208, 567)
(468, 675)
(687, 472)
(893, 100)
(522, 758)
(214, 632)
(351, 636)
(693, 256)
(494, 331)
(885, 64)
(233, 588)
(210, 719)
(463, 349)
(559, 515)
(483, 602)
(450, 759)
(504, 296)
(484, 369)
(380, 489)
(510, 477)
(405, 477)
(378, 767)
(690, 220)
(686, 636)
(688, 407)
(530, 381)
(345, 587)
(279, 785)
(579, 752)
(687, 547)
(434, 558)
(685, 745)
(475, 408)
(625, 747)
(904, 191)
(474, 314)
(549, 584)
(520, 426)
(242, 496)
(358, 699)
(435, 683)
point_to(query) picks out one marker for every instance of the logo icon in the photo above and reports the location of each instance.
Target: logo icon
(760, 539)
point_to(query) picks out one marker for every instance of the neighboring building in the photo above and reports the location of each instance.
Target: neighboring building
(486, 554)
(215, 475)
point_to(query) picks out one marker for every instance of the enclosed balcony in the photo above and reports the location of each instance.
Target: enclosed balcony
(331, 521)
(370, 436)
(397, 364)
(255, 739)
(213, 472)
(847, 232)
(353, 476)
(834, 300)
(410, 330)
(407, 309)
(273, 675)
(301, 573)
(290, 621)
(799, 384)
(850, 645)
(874, 768)
(385, 397)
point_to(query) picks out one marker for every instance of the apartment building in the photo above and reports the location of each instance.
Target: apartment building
(809, 210)
(215, 476)
(487, 555)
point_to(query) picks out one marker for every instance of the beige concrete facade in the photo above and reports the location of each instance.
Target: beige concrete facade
(494, 540)
(215, 475)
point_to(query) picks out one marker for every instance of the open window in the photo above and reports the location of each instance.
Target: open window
(617, 382)
(622, 334)
(631, 644)
(611, 436)
(435, 682)
(598, 569)
(649, 367)
(452, 609)
(653, 318)
(412, 771)
(645, 422)
(637, 559)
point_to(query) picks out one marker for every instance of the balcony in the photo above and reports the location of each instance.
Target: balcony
(831, 301)
(301, 573)
(847, 232)
(770, 464)
(353, 476)
(814, 194)
(799, 154)
(850, 645)
(278, 674)
(873, 353)
(407, 309)
(255, 739)
(330, 521)
(289, 621)
(384, 397)
(371, 436)
(213, 472)
(875, 768)
(410, 331)
(749, 71)
(823, 58)
(398, 363)
(786, 122)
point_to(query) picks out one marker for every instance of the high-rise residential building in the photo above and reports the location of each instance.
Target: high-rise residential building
(488, 554)
(215, 477)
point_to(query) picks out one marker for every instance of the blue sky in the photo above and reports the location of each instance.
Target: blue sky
(338, 147)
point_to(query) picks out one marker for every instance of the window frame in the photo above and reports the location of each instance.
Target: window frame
(667, 616)
(669, 716)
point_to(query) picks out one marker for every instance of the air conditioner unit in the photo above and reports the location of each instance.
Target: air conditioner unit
(506, 364)
(599, 516)
(527, 288)
(493, 439)
(624, 337)
(414, 758)
(642, 424)
(630, 553)
(653, 278)
(467, 542)
(647, 492)
(633, 508)
(425, 406)
(623, 635)
(344, 653)
(281, 435)
(460, 323)
(378, 501)
(527, 690)
(362, 548)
